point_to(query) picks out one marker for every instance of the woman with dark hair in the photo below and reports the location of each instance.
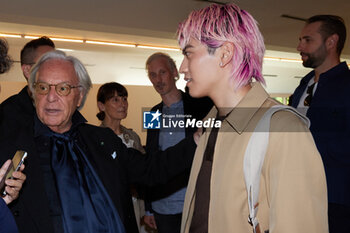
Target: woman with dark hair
(112, 101)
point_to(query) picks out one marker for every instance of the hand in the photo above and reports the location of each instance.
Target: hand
(150, 221)
(197, 135)
(13, 186)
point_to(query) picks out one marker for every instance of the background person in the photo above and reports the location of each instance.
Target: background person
(323, 95)
(19, 109)
(13, 186)
(167, 200)
(112, 101)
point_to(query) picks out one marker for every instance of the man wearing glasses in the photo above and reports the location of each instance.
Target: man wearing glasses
(323, 96)
(19, 109)
(78, 174)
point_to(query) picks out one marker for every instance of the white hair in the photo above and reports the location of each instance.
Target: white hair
(83, 76)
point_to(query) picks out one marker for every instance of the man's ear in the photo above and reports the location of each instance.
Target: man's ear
(81, 97)
(100, 106)
(26, 70)
(332, 41)
(226, 53)
(176, 74)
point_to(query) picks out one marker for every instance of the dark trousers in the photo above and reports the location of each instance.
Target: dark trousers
(338, 218)
(168, 223)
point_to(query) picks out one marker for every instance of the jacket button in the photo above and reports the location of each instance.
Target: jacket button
(16, 213)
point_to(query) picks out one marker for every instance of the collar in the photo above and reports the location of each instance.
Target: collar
(41, 129)
(26, 98)
(177, 104)
(123, 129)
(333, 72)
(161, 104)
(242, 114)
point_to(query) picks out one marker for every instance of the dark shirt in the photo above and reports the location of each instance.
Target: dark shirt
(200, 217)
(43, 145)
(15, 112)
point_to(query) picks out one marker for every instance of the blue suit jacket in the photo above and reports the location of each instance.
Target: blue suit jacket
(329, 114)
(7, 222)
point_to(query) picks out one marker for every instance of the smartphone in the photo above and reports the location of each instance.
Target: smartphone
(17, 161)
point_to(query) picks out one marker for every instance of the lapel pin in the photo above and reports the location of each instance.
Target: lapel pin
(114, 155)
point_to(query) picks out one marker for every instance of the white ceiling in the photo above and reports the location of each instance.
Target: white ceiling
(154, 22)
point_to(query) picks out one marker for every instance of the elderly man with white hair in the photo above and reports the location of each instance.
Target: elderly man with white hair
(78, 174)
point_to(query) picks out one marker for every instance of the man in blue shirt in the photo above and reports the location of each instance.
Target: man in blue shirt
(323, 96)
(167, 200)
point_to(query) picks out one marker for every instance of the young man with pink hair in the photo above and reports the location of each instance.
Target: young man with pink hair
(223, 52)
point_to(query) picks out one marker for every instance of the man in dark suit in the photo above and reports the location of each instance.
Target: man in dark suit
(12, 186)
(323, 96)
(19, 108)
(78, 174)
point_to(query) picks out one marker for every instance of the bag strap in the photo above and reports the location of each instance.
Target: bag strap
(254, 158)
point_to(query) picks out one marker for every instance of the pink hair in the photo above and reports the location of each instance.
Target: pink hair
(217, 24)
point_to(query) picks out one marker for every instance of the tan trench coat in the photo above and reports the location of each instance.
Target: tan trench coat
(293, 193)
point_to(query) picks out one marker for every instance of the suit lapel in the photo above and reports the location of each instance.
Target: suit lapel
(33, 197)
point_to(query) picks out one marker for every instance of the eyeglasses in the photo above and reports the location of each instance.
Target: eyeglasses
(308, 98)
(62, 89)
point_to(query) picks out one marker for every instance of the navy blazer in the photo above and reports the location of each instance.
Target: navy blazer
(31, 209)
(7, 222)
(329, 114)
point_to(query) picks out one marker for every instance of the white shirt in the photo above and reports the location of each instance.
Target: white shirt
(301, 107)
